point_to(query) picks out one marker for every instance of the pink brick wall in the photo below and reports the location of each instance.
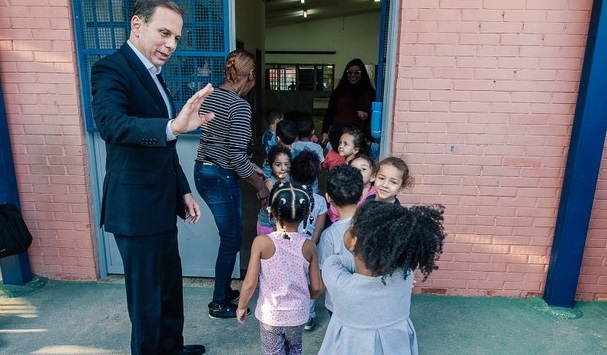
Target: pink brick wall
(41, 92)
(486, 92)
(485, 96)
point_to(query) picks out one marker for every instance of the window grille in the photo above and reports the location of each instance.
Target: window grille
(300, 77)
(102, 26)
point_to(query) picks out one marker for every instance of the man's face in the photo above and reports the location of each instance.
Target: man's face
(157, 39)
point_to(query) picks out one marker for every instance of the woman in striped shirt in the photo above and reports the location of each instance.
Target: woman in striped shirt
(221, 161)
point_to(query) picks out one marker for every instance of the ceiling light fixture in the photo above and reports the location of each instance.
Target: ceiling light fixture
(305, 13)
(303, 1)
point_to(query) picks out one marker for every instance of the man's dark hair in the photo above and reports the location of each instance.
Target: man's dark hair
(145, 9)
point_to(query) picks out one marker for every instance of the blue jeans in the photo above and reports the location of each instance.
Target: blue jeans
(220, 190)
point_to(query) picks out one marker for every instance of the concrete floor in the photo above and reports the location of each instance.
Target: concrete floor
(90, 318)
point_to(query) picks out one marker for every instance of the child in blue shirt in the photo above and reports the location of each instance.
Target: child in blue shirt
(268, 139)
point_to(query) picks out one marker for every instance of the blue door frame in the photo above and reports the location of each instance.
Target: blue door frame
(582, 169)
(15, 269)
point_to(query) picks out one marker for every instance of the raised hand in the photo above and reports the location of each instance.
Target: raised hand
(189, 118)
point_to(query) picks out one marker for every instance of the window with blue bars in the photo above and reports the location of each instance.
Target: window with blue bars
(299, 77)
(102, 26)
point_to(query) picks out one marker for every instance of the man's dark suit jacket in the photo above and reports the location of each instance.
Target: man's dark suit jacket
(144, 183)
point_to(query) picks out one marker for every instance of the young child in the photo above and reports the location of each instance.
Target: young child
(391, 178)
(372, 294)
(305, 131)
(344, 187)
(332, 158)
(352, 142)
(279, 158)
(268, 139)
(304, 172)
(366, 166)
(281, 262)
(286, 134)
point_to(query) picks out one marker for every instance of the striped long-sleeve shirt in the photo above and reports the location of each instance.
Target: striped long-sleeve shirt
(224, 140)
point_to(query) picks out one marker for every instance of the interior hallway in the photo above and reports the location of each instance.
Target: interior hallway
(250, 203)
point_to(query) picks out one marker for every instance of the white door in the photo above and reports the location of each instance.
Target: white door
(198, 243)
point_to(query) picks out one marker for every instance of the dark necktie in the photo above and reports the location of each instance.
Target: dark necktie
(161, 80)
(167, 92)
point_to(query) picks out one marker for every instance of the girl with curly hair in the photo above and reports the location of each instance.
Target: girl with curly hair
(372, 295)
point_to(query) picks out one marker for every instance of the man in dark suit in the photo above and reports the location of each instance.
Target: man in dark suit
(145, 187)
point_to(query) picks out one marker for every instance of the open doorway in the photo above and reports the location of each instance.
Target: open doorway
(302, 62)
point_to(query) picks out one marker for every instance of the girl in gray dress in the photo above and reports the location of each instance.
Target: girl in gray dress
(372, 296)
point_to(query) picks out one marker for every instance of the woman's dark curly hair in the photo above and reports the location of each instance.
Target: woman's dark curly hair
(392, 237)
(290, 202)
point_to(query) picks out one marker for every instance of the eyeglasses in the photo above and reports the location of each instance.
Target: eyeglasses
(353, 72)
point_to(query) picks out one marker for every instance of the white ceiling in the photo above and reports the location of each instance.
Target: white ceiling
(286, 12)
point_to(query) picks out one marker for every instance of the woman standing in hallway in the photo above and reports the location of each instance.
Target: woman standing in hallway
(350, 102)
(220, 161)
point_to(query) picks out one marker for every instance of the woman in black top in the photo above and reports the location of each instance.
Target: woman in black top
(350, 102)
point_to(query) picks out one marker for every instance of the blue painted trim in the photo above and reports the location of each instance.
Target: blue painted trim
(86, 54)
(381, 56)
(582, 169)
(8, 183)
(376, 114)
(85, 88)
(376, 107)
(16, 269)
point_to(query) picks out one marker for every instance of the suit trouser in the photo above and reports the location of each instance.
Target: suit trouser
(154, 291)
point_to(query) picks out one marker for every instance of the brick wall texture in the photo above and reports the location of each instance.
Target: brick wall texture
(485, 97)
(42, 98)
(484, 101)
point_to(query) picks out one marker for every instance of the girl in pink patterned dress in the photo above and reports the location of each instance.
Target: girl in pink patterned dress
(281, 261)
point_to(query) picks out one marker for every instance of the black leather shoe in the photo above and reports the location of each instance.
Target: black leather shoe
(190, 350)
